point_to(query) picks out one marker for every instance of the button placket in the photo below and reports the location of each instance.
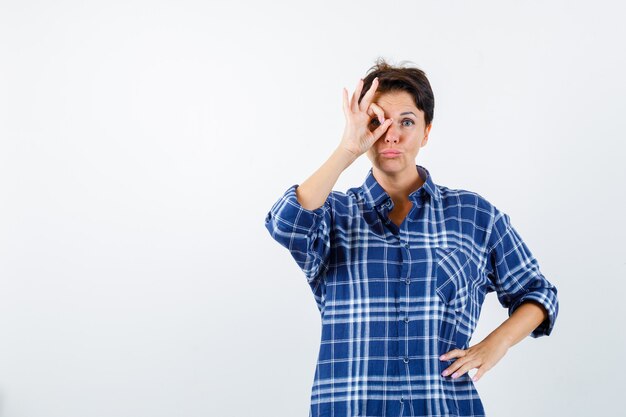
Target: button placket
(403, 244)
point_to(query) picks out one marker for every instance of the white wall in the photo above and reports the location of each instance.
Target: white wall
(142, 144)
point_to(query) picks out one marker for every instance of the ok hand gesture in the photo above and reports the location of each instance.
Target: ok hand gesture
(357, 137)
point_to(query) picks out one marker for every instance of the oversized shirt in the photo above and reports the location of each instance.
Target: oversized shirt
(394, 298)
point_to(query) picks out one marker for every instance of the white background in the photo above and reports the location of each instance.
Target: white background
(142, 143)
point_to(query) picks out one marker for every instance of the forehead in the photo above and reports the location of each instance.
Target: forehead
(395, 100)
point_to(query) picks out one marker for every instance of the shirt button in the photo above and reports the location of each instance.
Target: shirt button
(408, 281)
(406, 320)
(406, 359)
(406, 245)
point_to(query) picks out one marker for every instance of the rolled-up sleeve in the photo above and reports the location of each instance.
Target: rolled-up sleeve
(305, 233)
(516, 275)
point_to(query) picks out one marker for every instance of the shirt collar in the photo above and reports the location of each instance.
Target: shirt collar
(375, 194)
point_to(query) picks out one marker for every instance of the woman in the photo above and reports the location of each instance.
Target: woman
(400, 266)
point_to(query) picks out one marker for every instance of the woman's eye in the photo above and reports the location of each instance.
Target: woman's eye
(405, 122)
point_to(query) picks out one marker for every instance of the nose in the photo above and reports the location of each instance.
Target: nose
(392, 135)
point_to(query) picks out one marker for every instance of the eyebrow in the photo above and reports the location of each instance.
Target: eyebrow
(408, 112)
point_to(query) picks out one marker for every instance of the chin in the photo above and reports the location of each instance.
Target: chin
(390, 165)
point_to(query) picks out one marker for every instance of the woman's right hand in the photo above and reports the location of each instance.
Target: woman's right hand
(357, 137)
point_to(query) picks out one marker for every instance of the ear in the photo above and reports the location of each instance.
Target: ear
(427, 132)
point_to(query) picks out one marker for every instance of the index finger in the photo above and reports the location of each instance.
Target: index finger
(376, 109)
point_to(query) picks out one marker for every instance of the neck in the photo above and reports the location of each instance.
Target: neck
(399, 184)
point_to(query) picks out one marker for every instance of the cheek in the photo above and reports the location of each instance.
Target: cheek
(416, 141)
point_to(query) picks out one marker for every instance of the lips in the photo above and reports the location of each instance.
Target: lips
(390, 152)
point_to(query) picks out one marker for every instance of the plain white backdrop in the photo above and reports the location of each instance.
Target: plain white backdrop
(142, 143)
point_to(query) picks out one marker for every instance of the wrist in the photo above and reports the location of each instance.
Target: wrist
(500, 337)
(345, 155)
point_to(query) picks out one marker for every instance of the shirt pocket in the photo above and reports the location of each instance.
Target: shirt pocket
(453, 269)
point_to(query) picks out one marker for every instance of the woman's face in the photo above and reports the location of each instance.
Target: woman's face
(406, 135)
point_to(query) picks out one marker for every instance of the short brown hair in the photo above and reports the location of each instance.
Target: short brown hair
(402, 78)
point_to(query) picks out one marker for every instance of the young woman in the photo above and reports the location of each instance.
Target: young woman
(400, 266)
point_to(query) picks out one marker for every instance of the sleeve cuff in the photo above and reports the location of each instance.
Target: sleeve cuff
(547, 298)
(289, 207)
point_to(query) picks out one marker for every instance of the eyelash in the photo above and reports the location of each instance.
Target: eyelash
(375, 120)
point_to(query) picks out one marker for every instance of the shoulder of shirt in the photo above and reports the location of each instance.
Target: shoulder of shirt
(347, 198)
(467, 197)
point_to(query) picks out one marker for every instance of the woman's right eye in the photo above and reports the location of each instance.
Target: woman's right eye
(374, 121)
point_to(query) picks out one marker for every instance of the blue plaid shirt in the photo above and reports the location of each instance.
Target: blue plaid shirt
(393, 299)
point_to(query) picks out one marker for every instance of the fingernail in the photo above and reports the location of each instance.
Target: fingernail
(474, 379)
(445, 373)
(454, 375)
(442, 357)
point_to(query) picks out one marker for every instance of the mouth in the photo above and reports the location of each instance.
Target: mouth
(390, 154)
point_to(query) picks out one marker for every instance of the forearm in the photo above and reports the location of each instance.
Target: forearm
(520, 324)
(313, 192)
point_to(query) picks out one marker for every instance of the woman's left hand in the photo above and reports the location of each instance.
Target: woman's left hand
(483, 355)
